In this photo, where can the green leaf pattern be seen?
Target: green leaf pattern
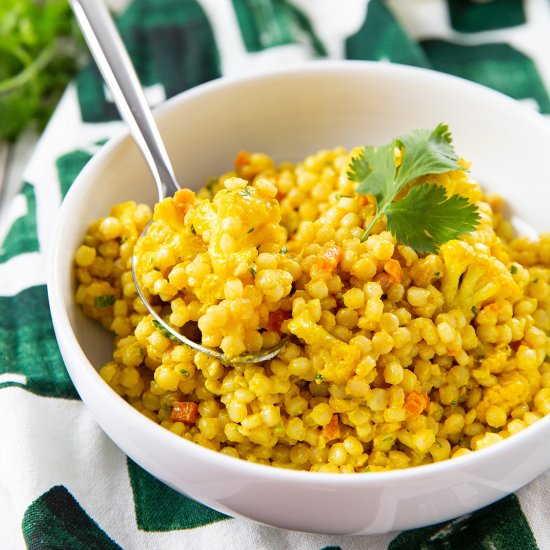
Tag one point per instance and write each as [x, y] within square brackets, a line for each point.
[56, 520]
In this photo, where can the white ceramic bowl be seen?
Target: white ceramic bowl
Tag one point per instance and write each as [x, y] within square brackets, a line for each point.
[289, 114]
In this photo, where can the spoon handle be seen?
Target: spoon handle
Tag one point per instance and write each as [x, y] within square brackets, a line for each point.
[115, 65]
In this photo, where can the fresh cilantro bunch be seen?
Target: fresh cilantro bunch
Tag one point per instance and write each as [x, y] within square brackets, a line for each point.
[39, 50]
[425, 217]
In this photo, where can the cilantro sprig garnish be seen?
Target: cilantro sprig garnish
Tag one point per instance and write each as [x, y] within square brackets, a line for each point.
[40, 48]
[425, 217]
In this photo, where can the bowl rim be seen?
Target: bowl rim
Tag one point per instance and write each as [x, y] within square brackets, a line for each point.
[77, 357]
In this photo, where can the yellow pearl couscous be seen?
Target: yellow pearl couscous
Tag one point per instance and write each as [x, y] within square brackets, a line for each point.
[395, 359]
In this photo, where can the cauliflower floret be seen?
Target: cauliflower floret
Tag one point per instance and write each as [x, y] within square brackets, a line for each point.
[473, 278]
[244, 218]
[339, 359]
[457, 182]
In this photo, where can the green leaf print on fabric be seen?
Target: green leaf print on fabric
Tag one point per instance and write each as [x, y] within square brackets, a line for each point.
[28, 348]
[69, 166]
[468, 16]
[306, 26]
[159, 508]
[268, 23]
[22, 237]
[500, 526]
[498, 66]
[55, 520]
[381, 38]
[170, 42]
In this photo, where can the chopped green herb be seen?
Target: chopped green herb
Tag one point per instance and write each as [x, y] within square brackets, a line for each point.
[104, 301]
[367, 469]
[284, 250]
[184, 372]
[513, 269]
[156, 268]
[211, 183]
[319, 377]
[193, 230]
[252, 270]
[164, 332]
[244, 191]
[437, 443]
[461, 442]
[388, 438]
[250, 230]
[453, 402]
[338, 196]
[278, 429]
[535, 281]
[437, 274]
[474, 310]
[426, 217]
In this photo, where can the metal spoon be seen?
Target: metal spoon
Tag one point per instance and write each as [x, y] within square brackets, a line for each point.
[119, 74]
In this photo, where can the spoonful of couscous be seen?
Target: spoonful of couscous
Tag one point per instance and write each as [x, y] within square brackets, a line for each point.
[190, 262]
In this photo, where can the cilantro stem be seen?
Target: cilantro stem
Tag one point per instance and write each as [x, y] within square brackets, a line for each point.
[365, 235]
[380, 211]
[28, 72]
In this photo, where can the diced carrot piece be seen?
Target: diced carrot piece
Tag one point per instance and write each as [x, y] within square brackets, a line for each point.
[496, 203]
[331, 430]
[415, 403]
[516, 344]
[393, 269]
[363, 200]
[329, 257]
[276, 319]
[184, 411]
[242, 159]
[384, 279]
[183, 199]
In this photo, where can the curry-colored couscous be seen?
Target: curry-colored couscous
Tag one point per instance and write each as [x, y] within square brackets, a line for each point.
[394, 359]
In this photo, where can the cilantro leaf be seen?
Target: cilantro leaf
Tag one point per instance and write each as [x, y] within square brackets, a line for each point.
[426, 218]
[359, 168]
[375, 171]
[426, 152]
